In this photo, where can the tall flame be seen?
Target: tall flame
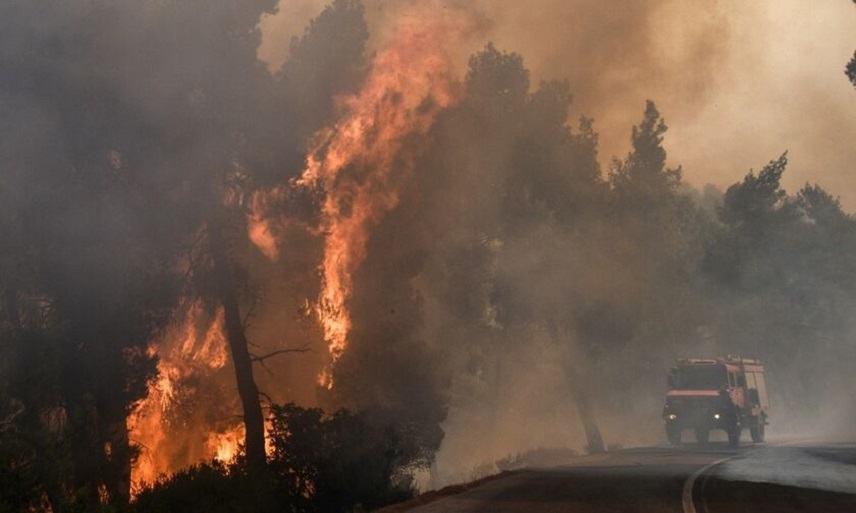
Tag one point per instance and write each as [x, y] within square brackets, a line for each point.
[361, 162]
[191, 350]
[359, 166]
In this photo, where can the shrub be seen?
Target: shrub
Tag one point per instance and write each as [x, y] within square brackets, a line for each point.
[340, 463]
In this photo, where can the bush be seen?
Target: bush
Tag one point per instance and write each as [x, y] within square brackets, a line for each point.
[341, 463]
[345, 460]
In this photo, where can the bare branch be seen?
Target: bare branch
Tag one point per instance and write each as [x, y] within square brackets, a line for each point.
[251, 309]
[264, 366]
[267, 398]
[261, 359]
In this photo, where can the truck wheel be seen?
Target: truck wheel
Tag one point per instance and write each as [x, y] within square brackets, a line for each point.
[757, 430]
[702, 435]
[674, 435]
[734, 435]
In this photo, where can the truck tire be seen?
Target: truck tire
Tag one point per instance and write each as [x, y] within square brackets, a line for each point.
[757, 430]
[734, 432]
[674, 435]
[702, 435]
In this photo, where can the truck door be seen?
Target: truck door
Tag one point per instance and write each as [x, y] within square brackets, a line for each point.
[736, 390]
[762, 391]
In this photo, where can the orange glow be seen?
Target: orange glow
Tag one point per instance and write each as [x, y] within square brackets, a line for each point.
[408, 84]
[260, 228]
[225, 446]
[358, 165]
[194, 348]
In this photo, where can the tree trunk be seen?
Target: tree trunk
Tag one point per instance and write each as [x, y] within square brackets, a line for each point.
[254, 442]
[117, 477]
[585, 409]
[587, 416]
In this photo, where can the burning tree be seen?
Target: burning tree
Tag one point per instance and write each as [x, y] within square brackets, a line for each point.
[103, 205]
[219, 263]
[440, 241]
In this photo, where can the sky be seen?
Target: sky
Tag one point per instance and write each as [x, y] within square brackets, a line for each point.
[738, 82]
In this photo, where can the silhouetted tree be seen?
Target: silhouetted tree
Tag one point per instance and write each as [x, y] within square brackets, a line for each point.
[642, 179]
[753, 211]
[850, 70]
[783, 281]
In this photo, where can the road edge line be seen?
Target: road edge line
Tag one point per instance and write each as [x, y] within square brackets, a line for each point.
[689, 484]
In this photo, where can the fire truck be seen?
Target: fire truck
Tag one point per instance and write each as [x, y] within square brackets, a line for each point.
[718, 393]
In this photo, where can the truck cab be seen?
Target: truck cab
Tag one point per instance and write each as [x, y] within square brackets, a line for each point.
[717, 393]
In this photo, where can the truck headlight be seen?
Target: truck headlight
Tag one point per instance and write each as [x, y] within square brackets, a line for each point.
[716, 416]
[672, 416]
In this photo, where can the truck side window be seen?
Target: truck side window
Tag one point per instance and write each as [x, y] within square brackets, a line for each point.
[750, 380]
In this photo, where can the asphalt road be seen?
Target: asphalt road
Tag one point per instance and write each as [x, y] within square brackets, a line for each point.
[767, 478]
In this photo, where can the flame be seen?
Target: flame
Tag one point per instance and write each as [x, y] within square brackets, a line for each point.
[361, 162]
[225, 446]
[359, 166]
[185, 353]
[408, 85]
[261, 229]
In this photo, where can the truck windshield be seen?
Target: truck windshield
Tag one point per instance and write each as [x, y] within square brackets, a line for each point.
[698, 377]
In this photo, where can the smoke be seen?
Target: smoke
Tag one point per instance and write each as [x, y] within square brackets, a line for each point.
[468, 311]
[482, 269]
[614, 57]
[754, 78]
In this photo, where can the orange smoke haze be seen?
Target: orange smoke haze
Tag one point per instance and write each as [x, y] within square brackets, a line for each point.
[691, 57]
[738, 82]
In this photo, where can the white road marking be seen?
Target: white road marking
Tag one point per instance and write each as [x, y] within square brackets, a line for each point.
[687, 495]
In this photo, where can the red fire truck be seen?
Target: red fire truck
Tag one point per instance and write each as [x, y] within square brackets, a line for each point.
[717, 393]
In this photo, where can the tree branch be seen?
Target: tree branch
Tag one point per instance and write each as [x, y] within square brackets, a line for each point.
[303, 349]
